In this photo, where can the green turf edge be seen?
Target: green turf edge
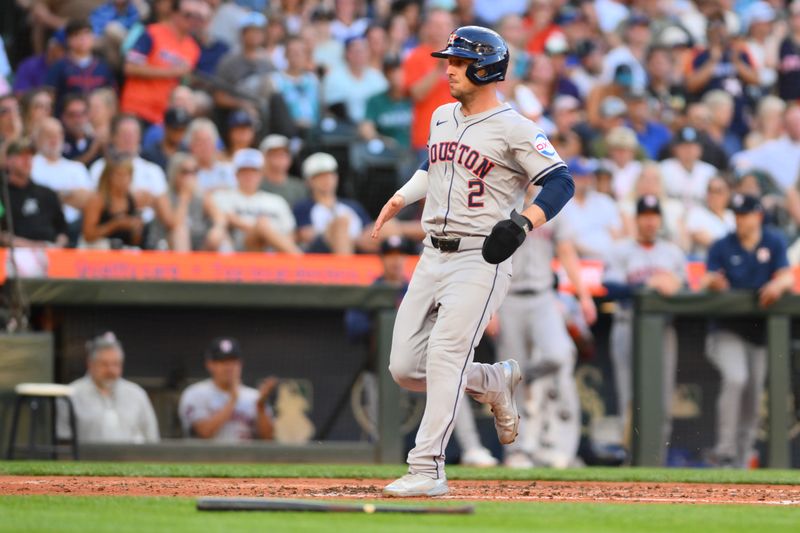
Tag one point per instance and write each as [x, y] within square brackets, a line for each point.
[122, 514]
[662, 475]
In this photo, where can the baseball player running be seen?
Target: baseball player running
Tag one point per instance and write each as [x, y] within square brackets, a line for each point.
[533, 326]
[481, 157]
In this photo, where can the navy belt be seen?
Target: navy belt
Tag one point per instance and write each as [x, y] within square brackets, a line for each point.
[445, 245]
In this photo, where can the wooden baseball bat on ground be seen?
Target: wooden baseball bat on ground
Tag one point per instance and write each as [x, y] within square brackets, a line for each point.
[266, 504]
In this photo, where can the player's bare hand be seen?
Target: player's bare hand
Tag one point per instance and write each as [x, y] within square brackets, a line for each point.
[266, 387]
[717, 282]
[588, 308]
[769, 294]
[389, 210]
[665, 283]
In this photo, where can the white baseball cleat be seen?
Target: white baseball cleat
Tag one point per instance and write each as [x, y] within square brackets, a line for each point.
[412, 485]
[480, 457]
[504, 407]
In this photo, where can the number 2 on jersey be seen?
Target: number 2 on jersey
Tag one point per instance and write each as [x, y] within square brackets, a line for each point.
[476, 190]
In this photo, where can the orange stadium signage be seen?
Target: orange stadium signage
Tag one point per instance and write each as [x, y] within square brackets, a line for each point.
[210, 267]
[215, 267]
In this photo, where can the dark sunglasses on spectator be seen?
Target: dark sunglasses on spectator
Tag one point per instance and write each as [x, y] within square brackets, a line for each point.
[9, 109]
[716, 189]
[188, 170]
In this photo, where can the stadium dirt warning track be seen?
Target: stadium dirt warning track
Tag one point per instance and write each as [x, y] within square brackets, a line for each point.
[541, 491]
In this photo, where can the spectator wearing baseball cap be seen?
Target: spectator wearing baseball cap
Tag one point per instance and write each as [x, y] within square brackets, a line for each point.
[277, 162]
[325, 223]
[221, 407]
[241, 131]
[686, 176]
[35, 210]
[176, 121]
[622, 146]
[593, 217]
[754, 258]
[256, 220]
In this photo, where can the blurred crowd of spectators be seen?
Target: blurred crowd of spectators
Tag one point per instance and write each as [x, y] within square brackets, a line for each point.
[182, 124]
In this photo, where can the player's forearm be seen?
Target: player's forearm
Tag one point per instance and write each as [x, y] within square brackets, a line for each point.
[784, 279]
[148, 71]
[210, 426]
[264, 426]
[568, 257]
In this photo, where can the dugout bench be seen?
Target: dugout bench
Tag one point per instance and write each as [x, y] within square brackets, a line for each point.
[651, 311]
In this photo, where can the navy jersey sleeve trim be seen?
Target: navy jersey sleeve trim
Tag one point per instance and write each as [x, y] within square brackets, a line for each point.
[544, 172]
[557, 189]
[424, 166]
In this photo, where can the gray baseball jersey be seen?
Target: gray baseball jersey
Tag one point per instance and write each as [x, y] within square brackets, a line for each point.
[633, 263]
[479, 166]
[478, 169]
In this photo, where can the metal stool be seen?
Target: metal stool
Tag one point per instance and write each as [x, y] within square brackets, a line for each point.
[32, 394]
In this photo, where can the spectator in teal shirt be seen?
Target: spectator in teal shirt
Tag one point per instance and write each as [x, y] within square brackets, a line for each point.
[388, 113]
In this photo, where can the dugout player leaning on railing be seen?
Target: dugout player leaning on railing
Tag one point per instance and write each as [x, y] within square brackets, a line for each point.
[753, 257]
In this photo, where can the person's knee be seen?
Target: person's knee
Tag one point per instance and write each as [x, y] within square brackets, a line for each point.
[403, 373]
[733, 378]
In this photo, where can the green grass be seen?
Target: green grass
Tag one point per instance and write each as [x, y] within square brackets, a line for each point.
[31, 514]
[663, 475]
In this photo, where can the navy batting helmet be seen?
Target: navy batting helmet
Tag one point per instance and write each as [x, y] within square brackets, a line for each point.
[485, 46]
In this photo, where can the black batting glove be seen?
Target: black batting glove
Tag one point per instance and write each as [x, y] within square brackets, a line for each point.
[505, 238]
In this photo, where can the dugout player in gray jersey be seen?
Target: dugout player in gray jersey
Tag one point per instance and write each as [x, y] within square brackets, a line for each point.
[481, 157]
[532, 326]
[644, 262]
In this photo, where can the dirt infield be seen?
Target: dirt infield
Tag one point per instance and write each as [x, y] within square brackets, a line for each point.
[561, 491]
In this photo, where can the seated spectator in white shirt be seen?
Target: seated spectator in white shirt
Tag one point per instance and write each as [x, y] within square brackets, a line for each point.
[354, 83]
[705, 224]
[592, 216]
[257, 220]
[685, 175]
[625, 169]
[325, 223]
[108, 408]
[222, 407]
[149, 184]
[203, 141]
[69, 179]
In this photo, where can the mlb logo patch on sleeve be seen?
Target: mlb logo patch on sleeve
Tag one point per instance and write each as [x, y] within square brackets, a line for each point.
[543, 146]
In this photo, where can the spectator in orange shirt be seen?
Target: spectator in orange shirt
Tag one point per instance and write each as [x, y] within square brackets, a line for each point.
[425, 76]
[162, 55]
